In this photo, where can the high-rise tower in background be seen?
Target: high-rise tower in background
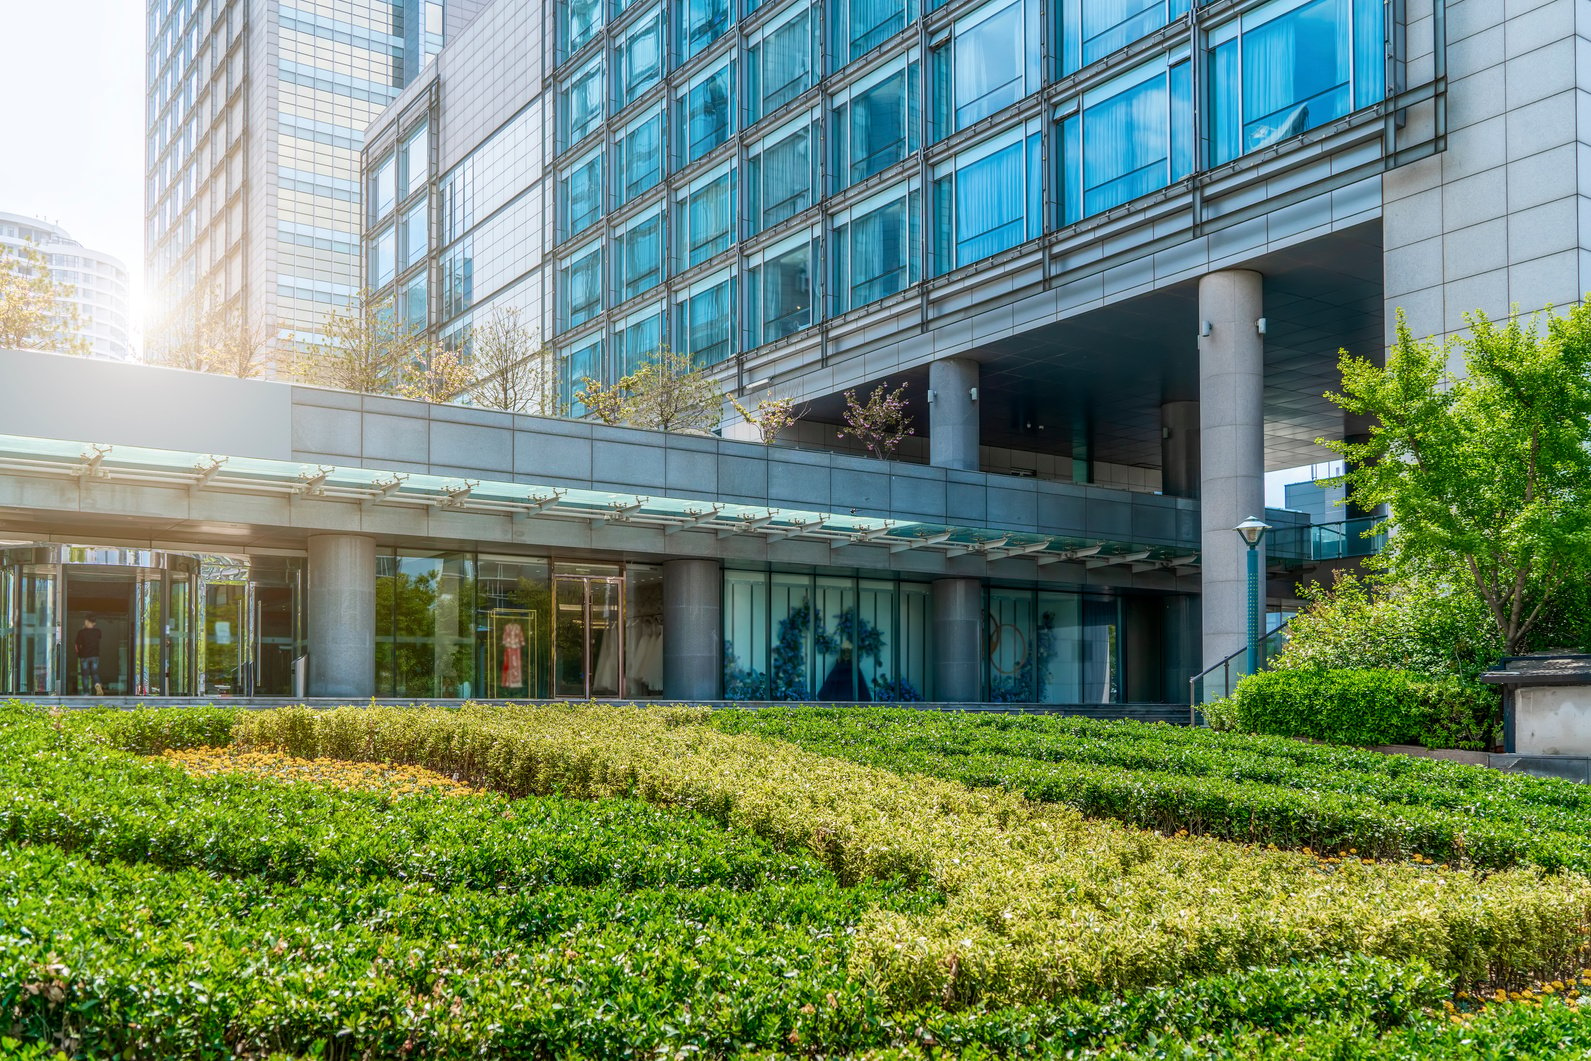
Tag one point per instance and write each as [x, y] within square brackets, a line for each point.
[256, 115]
[98, 282]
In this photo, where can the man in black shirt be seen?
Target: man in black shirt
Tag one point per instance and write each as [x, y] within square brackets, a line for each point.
[87, 644]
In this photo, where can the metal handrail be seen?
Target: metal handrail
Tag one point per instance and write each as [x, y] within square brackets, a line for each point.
[1217, 682]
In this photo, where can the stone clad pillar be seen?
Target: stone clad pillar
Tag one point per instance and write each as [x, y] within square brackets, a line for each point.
[958, 640]
[1179, 449]
[693, 630]
[340, 615]
[953, 429]
[1232, 450]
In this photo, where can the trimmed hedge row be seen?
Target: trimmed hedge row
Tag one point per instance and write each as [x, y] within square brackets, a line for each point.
[1361, 706]
[1256, 789]
[1040, 902]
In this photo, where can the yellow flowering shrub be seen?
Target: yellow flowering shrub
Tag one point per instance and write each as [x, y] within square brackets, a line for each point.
[335, 773]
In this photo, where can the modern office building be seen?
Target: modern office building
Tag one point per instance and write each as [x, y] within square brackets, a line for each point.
[256, 115]
[1113, 250]
[98, 283]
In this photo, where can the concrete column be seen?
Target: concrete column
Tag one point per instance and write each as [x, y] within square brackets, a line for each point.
[693, 629]
[1232, 450]
[953, 417]
[958, 640]
[340, 614]
[1179, 449]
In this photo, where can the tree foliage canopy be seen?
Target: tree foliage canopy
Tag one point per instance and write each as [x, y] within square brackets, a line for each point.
[1486, 475]
[667, 393]
[34, 311]
[512, 368]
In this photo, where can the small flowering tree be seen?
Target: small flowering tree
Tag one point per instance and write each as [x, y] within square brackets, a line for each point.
[881, 422]
[771, 416]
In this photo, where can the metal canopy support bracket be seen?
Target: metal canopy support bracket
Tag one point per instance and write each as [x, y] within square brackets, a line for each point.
[623, 510]
[1070, 554]
[862, 537]
[983, 547]
[537, 504]
[1122, 558]
[207, 471]
[748, 524]
[796, 530]
[1021, 550]
[921, 541]
[456, 496]
[696, 518]
[313, 483]
[92, 458]
[385, 488]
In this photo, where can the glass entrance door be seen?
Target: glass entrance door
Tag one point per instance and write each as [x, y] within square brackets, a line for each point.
[38, 630]
[588, 637]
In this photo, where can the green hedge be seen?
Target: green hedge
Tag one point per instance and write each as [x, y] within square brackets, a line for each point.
[1258, 789]
[1346, 705]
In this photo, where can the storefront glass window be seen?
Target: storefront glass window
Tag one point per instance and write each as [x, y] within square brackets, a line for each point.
[745, 636]
[513, 628]
[643, 631]
[425, 625]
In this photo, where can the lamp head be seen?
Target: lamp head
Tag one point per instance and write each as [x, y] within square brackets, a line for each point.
[1252, 530]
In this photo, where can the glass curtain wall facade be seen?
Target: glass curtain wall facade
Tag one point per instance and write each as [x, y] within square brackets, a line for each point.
[256, 120]
[943, 134]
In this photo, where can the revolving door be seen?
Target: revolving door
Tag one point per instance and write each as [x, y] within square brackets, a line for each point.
[77, 620]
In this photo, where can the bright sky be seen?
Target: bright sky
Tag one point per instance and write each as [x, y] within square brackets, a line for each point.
[72, 136]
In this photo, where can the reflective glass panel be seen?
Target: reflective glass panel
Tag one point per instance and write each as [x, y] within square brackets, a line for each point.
[781, 65]
[708, 224]
[582, 191]
[640, 254]
[639, 158]
[640, 59]
[782, 292]
[582, 102]
[706, 118]
[780, 173]
[700, 23]
[582, 286]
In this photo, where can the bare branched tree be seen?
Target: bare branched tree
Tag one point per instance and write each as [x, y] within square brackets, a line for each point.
[513, 369]
[368, 348]
[216, 338]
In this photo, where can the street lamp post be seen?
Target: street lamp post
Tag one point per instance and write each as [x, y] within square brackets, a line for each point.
[1252, 531]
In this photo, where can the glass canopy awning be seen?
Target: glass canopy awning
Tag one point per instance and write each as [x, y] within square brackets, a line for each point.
[370, 488]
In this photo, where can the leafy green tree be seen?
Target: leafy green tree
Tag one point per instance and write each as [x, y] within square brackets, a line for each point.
[1486, 475]
[667, 393]
[35, 311]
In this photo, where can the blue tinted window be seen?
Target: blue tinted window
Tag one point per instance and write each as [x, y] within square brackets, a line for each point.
[416, 231]
[581, 20]
[987, 200]
[383, 257]
[780, 174]
[706, 118]
[638, 163]
[1132, 136]
[700, 23]
[781, 64]
[1287, 67]
[862, 25]
[582, 191]
[781, 292]
[639, 59]
[580, 364]
[582, 102]
[639, 340]
[876, 127]
[581, 283]
[705, 322]
[875, 251]
[707, 226]
[988, 63]
[640, 256]
[1092, 29]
